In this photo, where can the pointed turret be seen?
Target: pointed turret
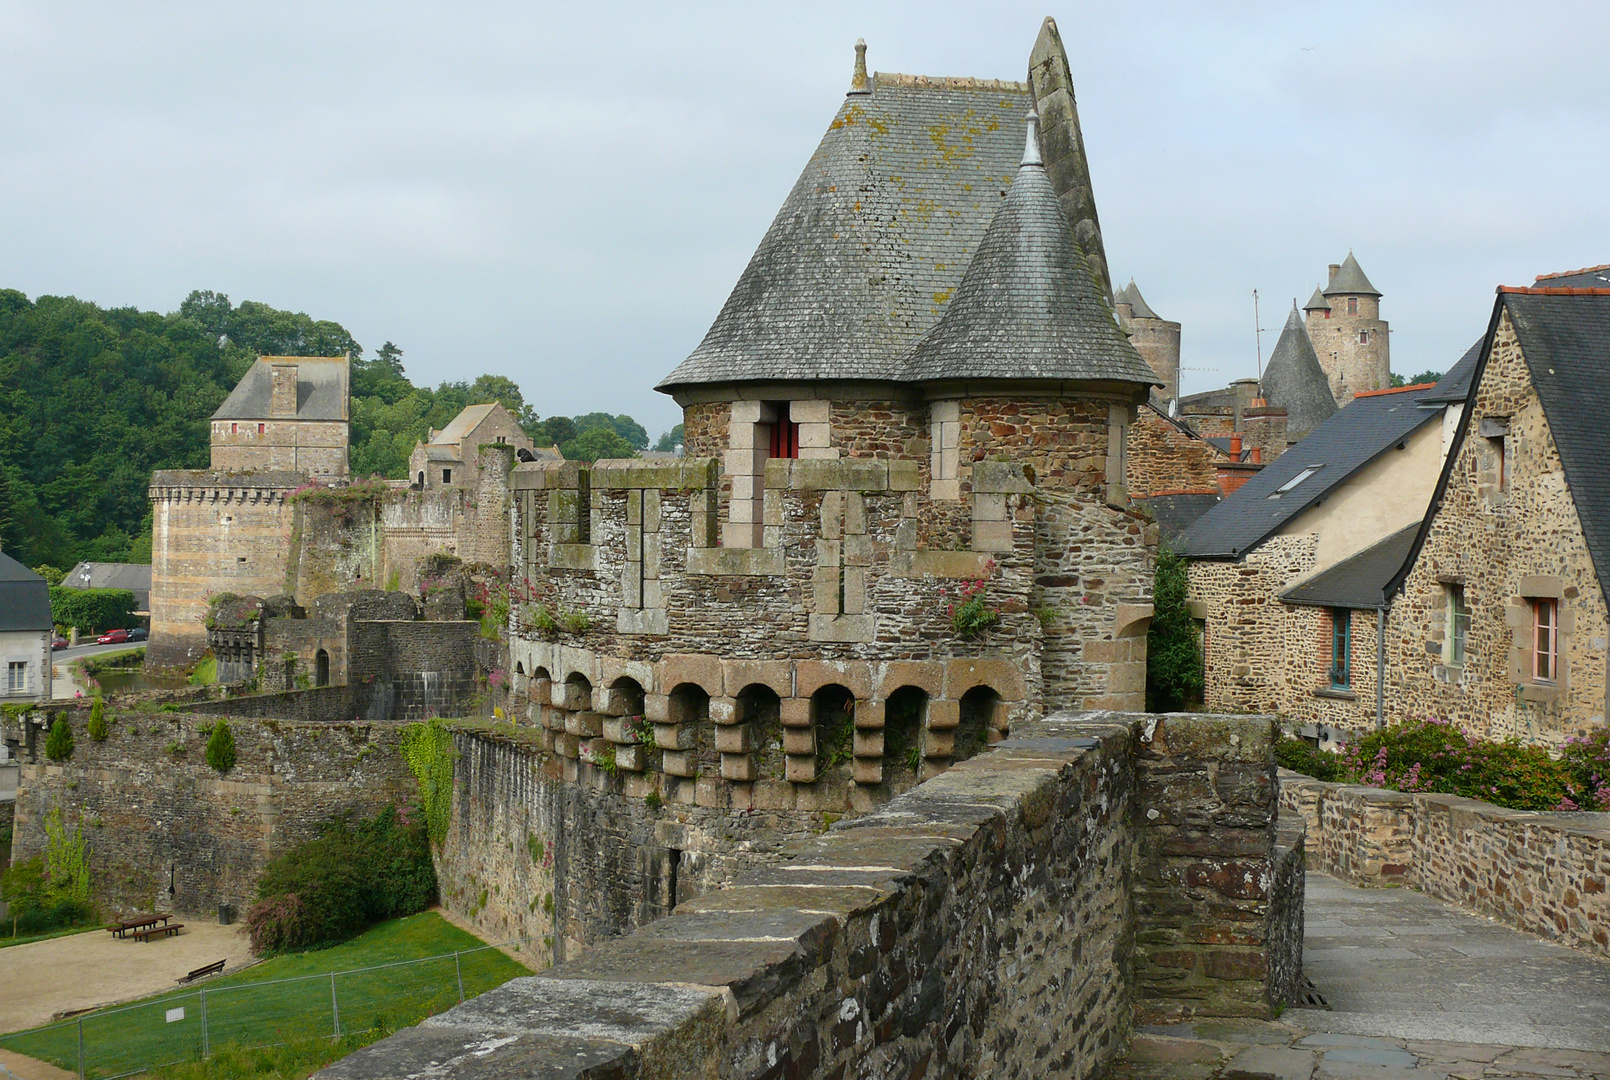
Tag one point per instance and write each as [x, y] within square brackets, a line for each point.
[1138, 306]
[1294, 380]
[1028, 306]
[1051, 82]
[1349, 280]
[1317, 302]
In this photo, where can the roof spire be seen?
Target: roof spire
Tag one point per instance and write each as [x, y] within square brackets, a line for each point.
[1031, 144]
[858, 81]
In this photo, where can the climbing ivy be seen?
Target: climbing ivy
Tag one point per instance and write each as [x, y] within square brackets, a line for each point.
[427, 747]
[65, 860]
[1173, 651]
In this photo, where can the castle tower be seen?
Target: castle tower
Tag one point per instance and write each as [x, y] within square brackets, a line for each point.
[1348, 333]
[1296, 381]
[1154, 337]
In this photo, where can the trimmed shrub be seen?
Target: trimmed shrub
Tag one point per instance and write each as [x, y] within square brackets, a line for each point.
[93, 609]
[98, 729]
[354, 872]
[221, 747]
[1297, 755]
[59, 744]
[1436, 756]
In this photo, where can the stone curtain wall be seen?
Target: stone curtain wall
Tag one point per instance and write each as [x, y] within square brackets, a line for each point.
[569, 865]
[154, 812]
[1164, 460]
[1545, 873]
[982, 924]
[1503, 545]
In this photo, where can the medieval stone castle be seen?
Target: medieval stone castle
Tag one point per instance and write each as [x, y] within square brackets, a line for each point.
[725, 716]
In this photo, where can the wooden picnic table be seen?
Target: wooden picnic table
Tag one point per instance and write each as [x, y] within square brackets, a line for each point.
[121, 928]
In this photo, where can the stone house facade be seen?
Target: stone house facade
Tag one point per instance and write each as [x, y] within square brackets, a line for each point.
[1501, 624]
[26, 633]
[449, 458]
[1276, 568]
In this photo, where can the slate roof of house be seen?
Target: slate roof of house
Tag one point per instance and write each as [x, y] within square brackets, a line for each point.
[321, 389]
[1350, 281]
[1589, 277]
[24, 597]
[135, 577]
[448, 453]
[1358, 434]
[1455, 385]
[1566, 342]
[872, 241]
[1317, 302]
[1028, 306]
[1358, 581]
[1175, 512]
[468, 419]
[1294, 381]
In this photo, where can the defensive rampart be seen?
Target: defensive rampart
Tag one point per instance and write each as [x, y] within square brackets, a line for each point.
[164, 827]
[1013, 916]
[1545, 873]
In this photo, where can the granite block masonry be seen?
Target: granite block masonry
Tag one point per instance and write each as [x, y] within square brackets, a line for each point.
[986, 922]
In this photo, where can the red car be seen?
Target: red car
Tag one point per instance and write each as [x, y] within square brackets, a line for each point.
[113, 637]
[59, 643]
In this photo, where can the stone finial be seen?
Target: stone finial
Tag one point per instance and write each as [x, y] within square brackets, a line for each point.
[858, 82]
[1031, 142]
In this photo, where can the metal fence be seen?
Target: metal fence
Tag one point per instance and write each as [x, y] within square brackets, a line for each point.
[191, 1024]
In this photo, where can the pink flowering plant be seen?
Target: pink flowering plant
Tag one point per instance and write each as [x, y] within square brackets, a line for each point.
[970, 613]
[1435, 755]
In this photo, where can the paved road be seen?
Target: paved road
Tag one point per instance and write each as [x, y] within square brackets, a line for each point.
[1418, 990]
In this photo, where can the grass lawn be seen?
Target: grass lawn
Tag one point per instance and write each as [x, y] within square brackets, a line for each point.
[283, 1000]
[28, 939]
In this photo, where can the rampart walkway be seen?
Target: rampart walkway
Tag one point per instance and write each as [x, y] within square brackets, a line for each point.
[1418, 990]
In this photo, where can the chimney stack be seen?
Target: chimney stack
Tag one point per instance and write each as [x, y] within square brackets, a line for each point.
[1335, 268]
[1235, 446]
[283, 401]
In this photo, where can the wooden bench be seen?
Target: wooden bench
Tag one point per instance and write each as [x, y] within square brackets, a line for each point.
[202, 972]
[158, 931]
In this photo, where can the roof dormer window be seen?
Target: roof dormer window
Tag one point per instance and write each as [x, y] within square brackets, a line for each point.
[1295, 480]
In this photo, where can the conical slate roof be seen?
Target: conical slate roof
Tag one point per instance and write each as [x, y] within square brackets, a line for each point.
[1317, 302]
[1350, 281]
[1294, 381]
[1028, 306]
[1138, 307]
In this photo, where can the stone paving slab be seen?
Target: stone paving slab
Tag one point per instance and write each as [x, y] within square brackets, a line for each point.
[1419, 991]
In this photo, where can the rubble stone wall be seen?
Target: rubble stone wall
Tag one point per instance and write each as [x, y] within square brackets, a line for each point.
[1545, 873]
[983, 923]
[1507, 532]
[1166, 459]
[155, 813]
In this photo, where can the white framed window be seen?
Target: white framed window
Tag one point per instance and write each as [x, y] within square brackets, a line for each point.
[1458, 630]
[17, 677]
[1545, 639]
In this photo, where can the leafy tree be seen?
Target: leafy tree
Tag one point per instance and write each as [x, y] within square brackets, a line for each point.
[92, 609]
[59, 743]
[1173, 654]
[670, 440]
[628, 429]
[51, 575]
[596, 443]
[221, 747]
[556, 431]
[1425, 377]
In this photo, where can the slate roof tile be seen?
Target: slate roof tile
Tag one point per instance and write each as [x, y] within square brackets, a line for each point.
[24, 597]
[321, 389]
[1350, 281]
[1294, 381]
[1358, 581]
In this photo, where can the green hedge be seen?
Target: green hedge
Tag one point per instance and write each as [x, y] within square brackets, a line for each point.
[1436, 756]
[93, 609]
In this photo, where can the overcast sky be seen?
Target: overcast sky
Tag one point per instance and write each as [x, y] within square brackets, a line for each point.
[565, 194]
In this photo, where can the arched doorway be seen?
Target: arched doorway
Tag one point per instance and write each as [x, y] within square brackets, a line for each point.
[321, 668]
[760, 710]
[833, 720]
[905, 715]
[978, 710]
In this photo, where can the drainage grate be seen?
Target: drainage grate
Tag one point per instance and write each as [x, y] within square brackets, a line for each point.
[1309, 997]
